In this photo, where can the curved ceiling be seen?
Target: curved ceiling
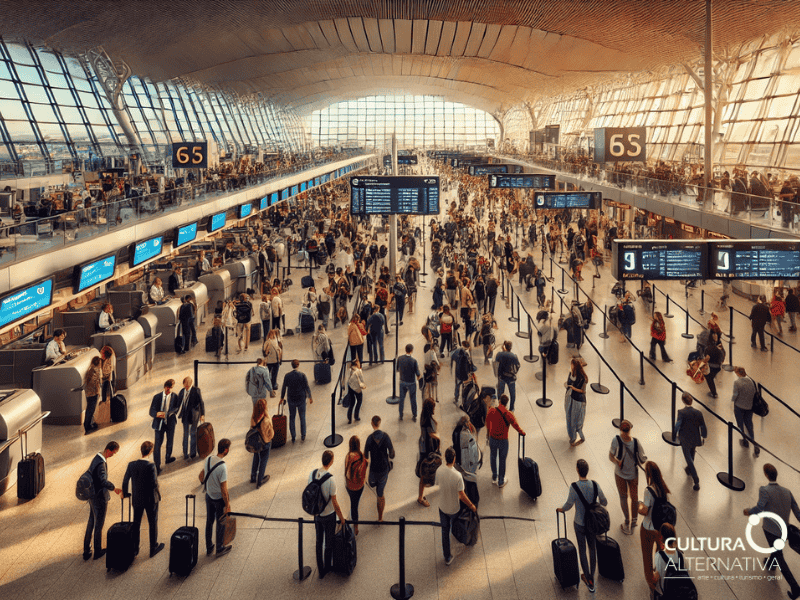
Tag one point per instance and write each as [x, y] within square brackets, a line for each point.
[307, 54]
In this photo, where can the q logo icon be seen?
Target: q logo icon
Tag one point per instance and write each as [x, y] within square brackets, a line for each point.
[723, 261]
[779, 544]
[40, 291]
[540, 200]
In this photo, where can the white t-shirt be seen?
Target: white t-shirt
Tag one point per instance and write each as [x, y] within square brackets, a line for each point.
[660, 567]
[328, 490]
[450, 484]
[648, 501]
[217, 477]
[277, 306]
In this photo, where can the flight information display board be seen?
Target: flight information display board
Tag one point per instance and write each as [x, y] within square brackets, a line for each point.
[394, 195]
[533, 181]
[245, 210]
[295, 190]
[591, 200]
[144, 251]
[185, 234]
[217, 222]
[659, 259]
[478, 170]
[284, 193]
[26, 301]
[92, 273]
[303, 186]
[268, 201]
[407, 159]
[754, 259]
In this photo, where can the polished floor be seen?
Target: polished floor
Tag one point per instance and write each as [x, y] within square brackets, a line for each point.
[41, 540]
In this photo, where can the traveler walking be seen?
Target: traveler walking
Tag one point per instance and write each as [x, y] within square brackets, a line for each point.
[408, 367]
[428, 442]
[164, 410]
[690, 427]
[451, 488]
[355, 474]
[260, 421]
[325, 522]
[744, 390]
[507, 369]
[375, 326]
[658, 335]
[295, 388]
[257, 381]
[759, 317]
[498, 421]
[380, 452]
[653, 510]
[355, 387]
[98, 504]
[214, 478]
[575, 401]
[627, 455]
[145, 497]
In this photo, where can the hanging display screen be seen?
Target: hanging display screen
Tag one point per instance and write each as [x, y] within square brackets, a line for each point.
[217, 222]
[26, 301]
[185, 234]
[144, 251]
[534, 181]
[590, 200]
[755, 259]
[92, 273]
[659, 259]
[394, 195]
[245, 210]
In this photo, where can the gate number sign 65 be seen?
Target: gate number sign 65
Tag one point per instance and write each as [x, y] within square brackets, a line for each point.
[617, 145]
[183, 157]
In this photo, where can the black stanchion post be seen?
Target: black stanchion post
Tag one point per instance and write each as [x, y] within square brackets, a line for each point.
[727, 479]
[563, 289]
[604, 335]
[502, 284]
[422, 272]
[551, 269]
[729, 367]
[520, 333]
[552, 299]
[512, 318]
[702, 302]
[544, 401]
[302, 572]
[641, 367]
[395, 398]
[196, 369]
[334, 439]
[771, 343]
[598, 387]
[730, 335]
[616, 422]
[655, 295]
[667, 314]
[402, 590]
[667, 435]
[686, 335]
[531, 357]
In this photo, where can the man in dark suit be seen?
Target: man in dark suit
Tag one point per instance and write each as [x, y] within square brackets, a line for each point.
[99, 503]
[186, 317]
[164, 410]
[146, 496]
[192, 412]
[690, 427]
[175, 281]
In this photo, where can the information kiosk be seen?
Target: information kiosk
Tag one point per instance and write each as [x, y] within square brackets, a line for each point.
[60, 387]
[243, 274]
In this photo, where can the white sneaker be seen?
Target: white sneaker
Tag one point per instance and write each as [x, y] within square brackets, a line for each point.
[494, 480]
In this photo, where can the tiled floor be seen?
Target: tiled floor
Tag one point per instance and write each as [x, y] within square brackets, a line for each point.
[42, 539]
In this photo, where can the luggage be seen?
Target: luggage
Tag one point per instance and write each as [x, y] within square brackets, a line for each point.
[184, 543]
[322, 373]
[596, 519]
[213, 343]
[489, 390]
[30, 472]
[279, 428]
[609, 558]
[307, 281]
[678, 584]
[255, 332]
[429, 466]
[565, 557]
[306, 323]
[205, 439]
[119, 408]
[121, 541]
[466, 526]
[529, 481]
[226, 529]
[344, 550]
[552, 353]
[179, 344]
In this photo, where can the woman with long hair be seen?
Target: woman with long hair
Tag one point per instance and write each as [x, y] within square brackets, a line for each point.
[446, 324]
[650, 536]
[428, 442]
[261, 421]
[277, 309]
[273, 354]
[355, 474]
[355, 387]
[658, 335]
[355, 338]
[92, 387]
[575, 401]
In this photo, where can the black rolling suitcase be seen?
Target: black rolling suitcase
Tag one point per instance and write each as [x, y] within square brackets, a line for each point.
[306, 323]
[119, 408]
[255, 332]
[322, 372]
[121, 542]
[565, 557]
[30, 471]
[184, 543]
[344, 550]
[529, 480]
[609, 558]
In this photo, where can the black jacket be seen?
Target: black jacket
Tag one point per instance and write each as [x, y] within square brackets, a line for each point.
[194, 408]
[173, 283]
[145, 483]
[172, 410]
[690, 427]
[100, 478]
[186, 313]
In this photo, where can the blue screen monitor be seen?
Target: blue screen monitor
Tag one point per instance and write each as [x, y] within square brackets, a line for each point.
[263, 203]
[316, 181]
[245, 210]
[92, 273]
[25, 301]
[144, 251]
[295, 191]
[284, 193]
[325, 178]
[273, 198]
[185, 234]
[217, 222]
[303, 186]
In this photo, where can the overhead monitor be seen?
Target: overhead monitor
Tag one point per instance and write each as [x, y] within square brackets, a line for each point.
[144, 251]
[245, 210]
[754, 259]
[185, 234]
[294, 191]
[394, 195]
[325, 178]
[659, 259]
[406, 159]
[217, 222]
[92, 273]
[533, 181]
[316, 181]
[558, 200]
[478, 170]
[285, 194]
[303, 186]
[25, 301]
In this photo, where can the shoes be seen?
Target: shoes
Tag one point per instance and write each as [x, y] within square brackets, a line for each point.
[252, 480]
[193, 456]
[357, 419]
[756, 451]
[95, 426]
[349, 421]
[626, 529]
[753, 346]
[633, 524]
[589, 583]
[171, 459]
[224, 550]
[401, 417]
[157, 549]
[449, 561]
[764, 350]
[424, 502]
[502, 485]
[414, 418]
[711, 395]
[209, 551]
[87, 555]
[158, 470]
[744, 443]
[651, 357]
[302, 438]
[686, 469]
[99, 554]
[185, 457]
[577, 442]
[262, 482]
[494, 480]
[696, 486]
[293, 440]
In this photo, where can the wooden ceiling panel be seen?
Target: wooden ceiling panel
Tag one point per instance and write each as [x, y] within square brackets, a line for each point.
[418, 36]
[475, 39]
[386, 27]
[359, 35]
[434, 34]
[402, 36]
[373, 35]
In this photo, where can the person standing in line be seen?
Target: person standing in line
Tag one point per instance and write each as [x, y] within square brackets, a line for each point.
[759, 317]
[98, 505]
[92, 387]
[744, 390]
[464, 367]
[431, 367]
[649, 535]
[576, 401]
[451, 488]
[375, 326]
[146, 496]
[380, 452]
[792, 308]
[164, 410]
[244, 315]
[355, 387]
[191, 414]
[355, 473]
[627, 455]
[355, 338]
[214, 478]
[258, 383]
[108, 365]
[428, 442]
[498, 421]
[408, 367]
[265, 314]
[186, 317]
[400, 292]
[325, 522]
[658, 335]
[777, 308]
[714, 358]
[690, 427]
[295, 387]
[277, 309]
[446, 324]
[587, 489]
[273, 354]
[261, 421]
[779, 500]
[627, 316]
[507, 369]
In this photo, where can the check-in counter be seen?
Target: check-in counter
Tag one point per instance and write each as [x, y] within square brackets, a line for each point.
[80, 325]
[127, 340]
[20, 411]
[244, 274]
[17, 362]
[167, 315]
[199, 292]
[127, 301]
[149, 323]
[60, 387]
[219, 286]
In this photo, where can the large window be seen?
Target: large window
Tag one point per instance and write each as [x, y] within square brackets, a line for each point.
[419, 121]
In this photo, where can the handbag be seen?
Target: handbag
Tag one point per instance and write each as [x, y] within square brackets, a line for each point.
[253, 441]
[347, 400]
[226, 529]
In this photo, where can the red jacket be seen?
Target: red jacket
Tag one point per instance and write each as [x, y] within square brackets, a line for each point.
[496, 422]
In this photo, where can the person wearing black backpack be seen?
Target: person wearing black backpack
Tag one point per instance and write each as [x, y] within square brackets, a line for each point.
[656, 510]
[325, 511]
[673, 581]
[579, 494]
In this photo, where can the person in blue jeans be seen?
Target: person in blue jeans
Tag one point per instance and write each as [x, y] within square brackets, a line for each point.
[375, 325]
[408, 367]
[498, 421]
[507, 368]
[451, 486]
[261, 421]
[295, 388]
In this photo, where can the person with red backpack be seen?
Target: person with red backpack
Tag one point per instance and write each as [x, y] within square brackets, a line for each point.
[355, 475]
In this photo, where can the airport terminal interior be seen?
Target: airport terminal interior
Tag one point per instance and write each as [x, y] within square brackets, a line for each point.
[586, 212]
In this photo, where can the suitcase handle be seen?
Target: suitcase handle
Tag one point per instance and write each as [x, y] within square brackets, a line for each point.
[280, 409]
[23, 435]
[558, 523]
[194, 508]
[521, 446]
[122, 507]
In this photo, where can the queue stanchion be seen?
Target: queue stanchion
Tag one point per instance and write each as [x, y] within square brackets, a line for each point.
[599, 388]
[729, 366]
[531, 357]
[502, 284]
[334, 439]
[544, 401]
[727, 479]
[686, 335]
[512, 318]
[641, 367]
[702, 302]
[668, 314]
[552, 299]
[551, 269]
[395, 398]
[303, 572]
[616, 422]
[563, 289]
[402, 590]
[667, 435]
[655, 295]
[522, 334]
[730, 335]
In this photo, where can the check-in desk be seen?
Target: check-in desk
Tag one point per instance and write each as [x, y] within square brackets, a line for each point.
[128, 342]
[60, 387]
[80, 325]
[219, 286]
[127, 301]
[167, 315]
[17, 362]
[149, 324]
[199, 292]
[20, 410]
[243, 274]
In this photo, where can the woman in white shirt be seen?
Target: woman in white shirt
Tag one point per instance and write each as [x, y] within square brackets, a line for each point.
[277, 308]
[355, 387]
[157, 291]
[650, 536]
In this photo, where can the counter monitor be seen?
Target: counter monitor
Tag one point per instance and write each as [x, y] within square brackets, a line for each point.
[217, 222]
[92, 273]
[144, 251]
[25, 301]
[185, 234]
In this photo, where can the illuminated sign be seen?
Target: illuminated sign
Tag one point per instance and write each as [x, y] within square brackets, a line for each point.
[24, 302]
[394, 195]
[659, 259]
[217, 222]
[95, 272]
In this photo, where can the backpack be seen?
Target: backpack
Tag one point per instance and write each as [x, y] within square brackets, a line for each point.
[621, 449]
[760, 406]
[253, 442]
[595, 516]
[251, 382]
[84, 488]
[678, 584]
[470, 452]
[357, 473]
[314, 501]
[463, 365]
[662, 511]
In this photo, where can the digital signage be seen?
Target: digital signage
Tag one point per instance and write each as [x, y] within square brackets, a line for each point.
[659, 259]
[295, 190]
[558, 200]
[754, 259]
[92, 273]
[185, 234]
[25, 301]
[407, 159]
[217, 222]
[144, 251]
[478, 170]
[316, 181]
[285, 194]
[245, 210]
[303, 186]
[534, 181]
[394, 195]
